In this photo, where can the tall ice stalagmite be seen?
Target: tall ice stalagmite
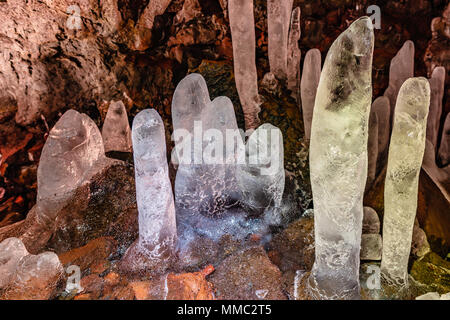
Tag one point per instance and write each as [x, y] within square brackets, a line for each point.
[242, 25]
[294, 54]
[338, 162]
[278, 20]
[401, 68]
[402, 178]
[157, 225]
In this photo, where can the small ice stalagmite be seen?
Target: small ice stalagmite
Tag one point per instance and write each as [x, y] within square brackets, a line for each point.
[444, 147]
[406, 152]
[372, 149]
[308, 87]
[338, 162]
[437, 83]
[116, 131]
[382, 109]
[262, 178]
[278, 18]
[11, 251]
[401, 68]
[72, 148]
[157, 225]
[294, 53]
[242, 25]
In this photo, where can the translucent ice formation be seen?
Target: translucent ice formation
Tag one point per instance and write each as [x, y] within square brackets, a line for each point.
[116, 131]
[338, 162]
[73, 146]
[157, 225]
[402, 68]
[278, 20]
[382, 109]
[400, 191]
[437, 83]
[372, 149]
[444, 147]
[262, 178]
[11, 251]
[242, 27]
[308, 87]
[294, 53]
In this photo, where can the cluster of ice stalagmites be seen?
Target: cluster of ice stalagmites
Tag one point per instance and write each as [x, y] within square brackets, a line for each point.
[217, 180]
[242, 27]
[338, 161]
[205, 181]
[400, 193]
[157, 225]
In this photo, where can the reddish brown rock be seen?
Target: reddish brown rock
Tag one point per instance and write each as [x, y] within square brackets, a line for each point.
[248, 274]
[189, 286]
[293, 248]
[92, 255]
[141, 289]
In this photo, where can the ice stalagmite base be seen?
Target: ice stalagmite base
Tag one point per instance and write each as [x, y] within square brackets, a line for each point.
[338, 162]
[242, 25]
[400, 191]
[157, 225]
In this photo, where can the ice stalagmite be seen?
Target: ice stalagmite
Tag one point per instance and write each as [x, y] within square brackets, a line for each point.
[157, 225]
[400, 191]
[116, 131]
[73, 146]
[338, 162]
[242, 25]
[205, 185]
[262, 178]
[372, 149]
[294, 53]
[401, 68]
[278, 18]
[437, 83]
[382, 110]
[308, 87]
[444, 147]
